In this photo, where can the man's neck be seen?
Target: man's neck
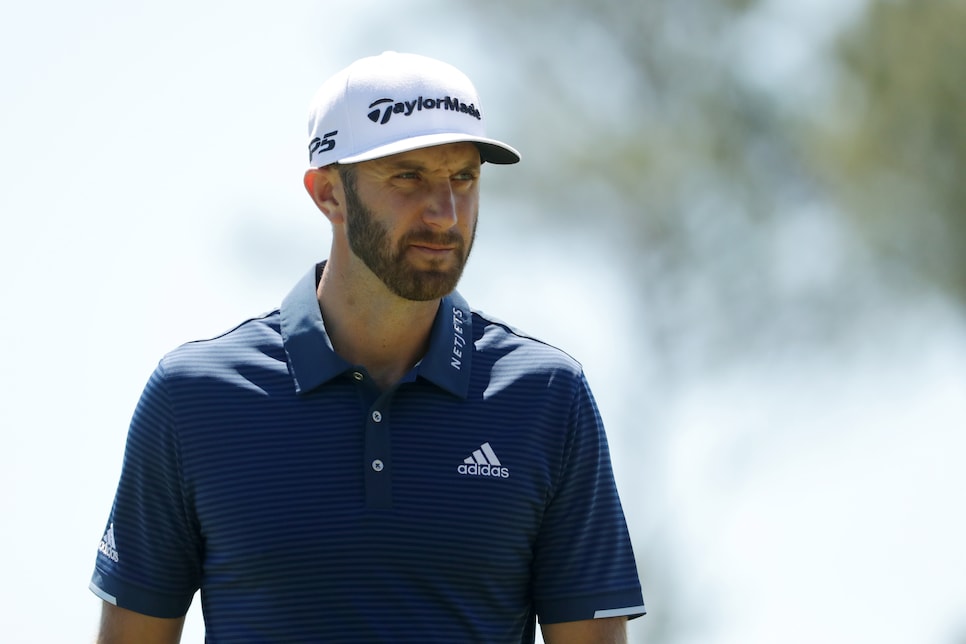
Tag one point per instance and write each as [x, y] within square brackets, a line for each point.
[374, 328]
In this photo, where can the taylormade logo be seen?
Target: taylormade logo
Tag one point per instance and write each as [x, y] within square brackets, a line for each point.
[384, 108]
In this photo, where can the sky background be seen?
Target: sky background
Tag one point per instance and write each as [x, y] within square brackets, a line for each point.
[152, 156]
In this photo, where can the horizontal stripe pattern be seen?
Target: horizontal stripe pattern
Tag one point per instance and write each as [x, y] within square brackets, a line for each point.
[263, 497]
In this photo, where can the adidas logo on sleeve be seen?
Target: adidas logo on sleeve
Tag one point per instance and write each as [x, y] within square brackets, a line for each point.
[108, 547]
[483, 462]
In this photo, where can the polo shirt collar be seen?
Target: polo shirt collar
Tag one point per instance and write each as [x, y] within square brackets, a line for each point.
[311, 358]
[448, 360]
[313, 362]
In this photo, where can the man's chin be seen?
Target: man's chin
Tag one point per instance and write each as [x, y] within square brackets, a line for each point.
[422, 286]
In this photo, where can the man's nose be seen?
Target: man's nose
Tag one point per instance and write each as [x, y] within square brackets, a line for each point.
[440, 211]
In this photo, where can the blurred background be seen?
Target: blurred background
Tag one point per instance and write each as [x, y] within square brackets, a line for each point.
[744, 217]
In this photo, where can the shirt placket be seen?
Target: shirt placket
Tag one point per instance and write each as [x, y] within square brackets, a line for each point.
[377, 453]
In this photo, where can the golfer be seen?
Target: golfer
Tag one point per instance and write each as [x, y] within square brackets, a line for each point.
[374, 460]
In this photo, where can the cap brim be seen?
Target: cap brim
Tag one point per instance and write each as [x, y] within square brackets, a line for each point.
[491, 150]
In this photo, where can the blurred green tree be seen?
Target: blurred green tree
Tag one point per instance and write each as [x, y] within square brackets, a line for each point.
[643, 132]
[894, 145]
[652, 130]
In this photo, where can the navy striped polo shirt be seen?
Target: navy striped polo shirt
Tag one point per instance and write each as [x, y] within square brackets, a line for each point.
[308, 505]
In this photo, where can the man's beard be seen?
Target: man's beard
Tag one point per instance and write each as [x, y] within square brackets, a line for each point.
[369, 240]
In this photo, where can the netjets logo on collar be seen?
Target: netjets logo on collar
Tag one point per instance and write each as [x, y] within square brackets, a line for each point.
[384, 108]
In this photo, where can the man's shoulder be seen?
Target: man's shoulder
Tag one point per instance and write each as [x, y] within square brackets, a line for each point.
[496, 335]
[256, 336]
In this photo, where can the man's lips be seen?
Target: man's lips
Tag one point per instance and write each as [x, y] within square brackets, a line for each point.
[434, 249]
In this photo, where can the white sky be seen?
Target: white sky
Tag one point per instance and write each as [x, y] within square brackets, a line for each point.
[151, 156]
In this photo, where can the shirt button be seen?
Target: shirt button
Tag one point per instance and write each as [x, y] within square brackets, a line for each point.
[377, 416]
[358, 376]
[377, 465]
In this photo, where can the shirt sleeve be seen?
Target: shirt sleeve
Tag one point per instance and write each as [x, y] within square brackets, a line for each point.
[584, 566]
[149, 560]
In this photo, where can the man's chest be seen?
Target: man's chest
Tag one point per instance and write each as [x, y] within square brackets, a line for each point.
[398, 483]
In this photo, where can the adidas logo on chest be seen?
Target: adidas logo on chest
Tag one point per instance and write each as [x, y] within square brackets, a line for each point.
[483, 462]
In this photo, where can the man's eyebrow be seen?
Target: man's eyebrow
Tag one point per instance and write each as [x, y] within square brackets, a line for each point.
[408, 164]
[405, 164]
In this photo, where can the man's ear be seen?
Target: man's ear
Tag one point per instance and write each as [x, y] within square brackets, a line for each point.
[324, 185]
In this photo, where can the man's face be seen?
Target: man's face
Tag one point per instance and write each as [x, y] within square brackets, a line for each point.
[411, 217]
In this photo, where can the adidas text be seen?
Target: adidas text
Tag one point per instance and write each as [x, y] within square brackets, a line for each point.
[382, 115]
[108, 551]
[484, 470]
[483, 462]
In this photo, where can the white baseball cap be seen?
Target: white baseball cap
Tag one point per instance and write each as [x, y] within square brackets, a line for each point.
[394, 103]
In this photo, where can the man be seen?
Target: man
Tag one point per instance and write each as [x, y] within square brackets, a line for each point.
[373, 461]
